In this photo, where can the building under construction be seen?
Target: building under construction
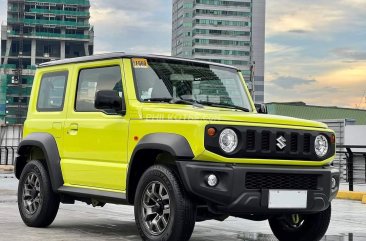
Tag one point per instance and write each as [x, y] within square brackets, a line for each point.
[38, 31]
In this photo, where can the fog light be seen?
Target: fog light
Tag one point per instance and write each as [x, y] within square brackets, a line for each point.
[212, 180]
[334, 183]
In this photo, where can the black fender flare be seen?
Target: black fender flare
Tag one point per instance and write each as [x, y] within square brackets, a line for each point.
[176, 145]
[47, 143]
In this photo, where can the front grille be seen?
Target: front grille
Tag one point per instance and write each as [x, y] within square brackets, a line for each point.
[281, 181]
[270, 143]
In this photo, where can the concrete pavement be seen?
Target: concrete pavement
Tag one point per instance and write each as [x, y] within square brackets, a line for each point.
[6, 168]
[82, 222]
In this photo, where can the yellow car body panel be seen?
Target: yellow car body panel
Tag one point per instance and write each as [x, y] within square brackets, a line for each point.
[47, 122]
[96, 155]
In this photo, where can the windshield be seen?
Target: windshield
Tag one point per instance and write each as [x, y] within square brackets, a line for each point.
[159, 79]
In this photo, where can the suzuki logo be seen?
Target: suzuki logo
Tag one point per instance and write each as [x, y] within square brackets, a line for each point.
[281, 142]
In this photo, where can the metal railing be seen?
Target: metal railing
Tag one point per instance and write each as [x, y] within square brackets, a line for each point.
[355, 161]
[10, 137]
[48, 22]
[69, 2]
[52, 35]
[8, 66]
[60, 12]
[8, 155]
[355, 164]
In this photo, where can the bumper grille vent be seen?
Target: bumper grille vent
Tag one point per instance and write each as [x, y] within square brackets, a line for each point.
[281, 181]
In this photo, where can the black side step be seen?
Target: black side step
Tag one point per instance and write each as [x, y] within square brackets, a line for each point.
[102, 196]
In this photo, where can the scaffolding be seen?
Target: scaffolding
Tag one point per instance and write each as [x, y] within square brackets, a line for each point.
[38, 31]
[3, 87]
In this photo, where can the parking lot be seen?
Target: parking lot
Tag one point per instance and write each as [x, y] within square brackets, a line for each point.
[82, 222]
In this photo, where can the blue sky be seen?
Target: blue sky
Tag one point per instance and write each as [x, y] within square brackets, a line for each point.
[315, 50]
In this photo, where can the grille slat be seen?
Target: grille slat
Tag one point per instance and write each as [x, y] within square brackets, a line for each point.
[306, 142]
[293, 144]
[266, 141]
[281, 181]
[251, 140]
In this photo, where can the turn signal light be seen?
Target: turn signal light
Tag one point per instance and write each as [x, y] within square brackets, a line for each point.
[211, 131]
[332, 139]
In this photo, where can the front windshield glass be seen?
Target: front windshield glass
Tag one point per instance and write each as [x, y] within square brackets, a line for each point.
[159, 79]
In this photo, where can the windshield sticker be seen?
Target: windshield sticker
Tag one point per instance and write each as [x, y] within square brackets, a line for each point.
[140, 63]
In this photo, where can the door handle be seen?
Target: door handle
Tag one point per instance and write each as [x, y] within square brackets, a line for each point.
[73, 129]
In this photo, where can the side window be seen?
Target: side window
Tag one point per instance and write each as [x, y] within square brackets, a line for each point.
[93, 80]
[51, 93]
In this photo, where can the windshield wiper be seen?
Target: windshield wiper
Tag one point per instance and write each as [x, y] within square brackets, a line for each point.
[214, 104]
[175, 101]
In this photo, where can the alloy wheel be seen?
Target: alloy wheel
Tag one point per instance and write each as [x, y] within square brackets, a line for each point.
[32, 198]
[155, 208]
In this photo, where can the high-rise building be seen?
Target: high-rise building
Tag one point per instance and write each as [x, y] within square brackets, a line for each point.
[38, 31]
[223, 31]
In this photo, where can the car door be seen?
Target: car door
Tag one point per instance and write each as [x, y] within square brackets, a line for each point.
[95, 151]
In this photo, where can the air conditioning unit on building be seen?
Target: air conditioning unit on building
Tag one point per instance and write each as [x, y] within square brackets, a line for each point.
[14, 80]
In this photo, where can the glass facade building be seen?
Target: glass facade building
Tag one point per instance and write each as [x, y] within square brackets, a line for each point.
[38, 31]
[228, 32]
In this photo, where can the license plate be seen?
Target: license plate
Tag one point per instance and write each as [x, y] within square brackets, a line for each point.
[287, 199]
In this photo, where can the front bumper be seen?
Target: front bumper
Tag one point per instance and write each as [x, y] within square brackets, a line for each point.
[234, 195]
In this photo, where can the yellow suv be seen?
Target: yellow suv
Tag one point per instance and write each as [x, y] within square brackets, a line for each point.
[179, 139]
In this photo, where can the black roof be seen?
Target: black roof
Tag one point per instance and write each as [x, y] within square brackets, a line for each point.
[117, 55]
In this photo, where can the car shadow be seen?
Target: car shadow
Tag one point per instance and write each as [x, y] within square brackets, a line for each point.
[126, 230]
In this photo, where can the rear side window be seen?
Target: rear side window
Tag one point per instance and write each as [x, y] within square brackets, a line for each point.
[93, 80]
[51, 95]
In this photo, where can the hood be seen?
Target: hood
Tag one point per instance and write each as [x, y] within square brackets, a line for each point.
[187, 112]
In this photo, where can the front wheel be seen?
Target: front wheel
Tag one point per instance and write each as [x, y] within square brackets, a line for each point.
[163, 211]
[307, 227]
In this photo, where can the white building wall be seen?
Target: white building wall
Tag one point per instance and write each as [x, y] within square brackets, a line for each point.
[355, 135]
[258, 40]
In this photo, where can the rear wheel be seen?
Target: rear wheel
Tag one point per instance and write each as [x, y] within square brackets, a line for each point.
[163, 211]
[309, 227]
[38, 205]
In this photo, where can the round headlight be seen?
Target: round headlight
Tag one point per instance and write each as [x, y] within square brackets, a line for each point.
[321, 146]
[228, 140]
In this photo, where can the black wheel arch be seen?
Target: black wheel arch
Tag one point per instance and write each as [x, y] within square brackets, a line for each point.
[47, 144]
[146, 152]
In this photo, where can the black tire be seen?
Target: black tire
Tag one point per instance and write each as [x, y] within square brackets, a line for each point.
[38, 204]
[182, 211]
[310, 227]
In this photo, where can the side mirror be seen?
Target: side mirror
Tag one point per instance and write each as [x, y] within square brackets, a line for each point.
[110, 102]
[261, 108]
